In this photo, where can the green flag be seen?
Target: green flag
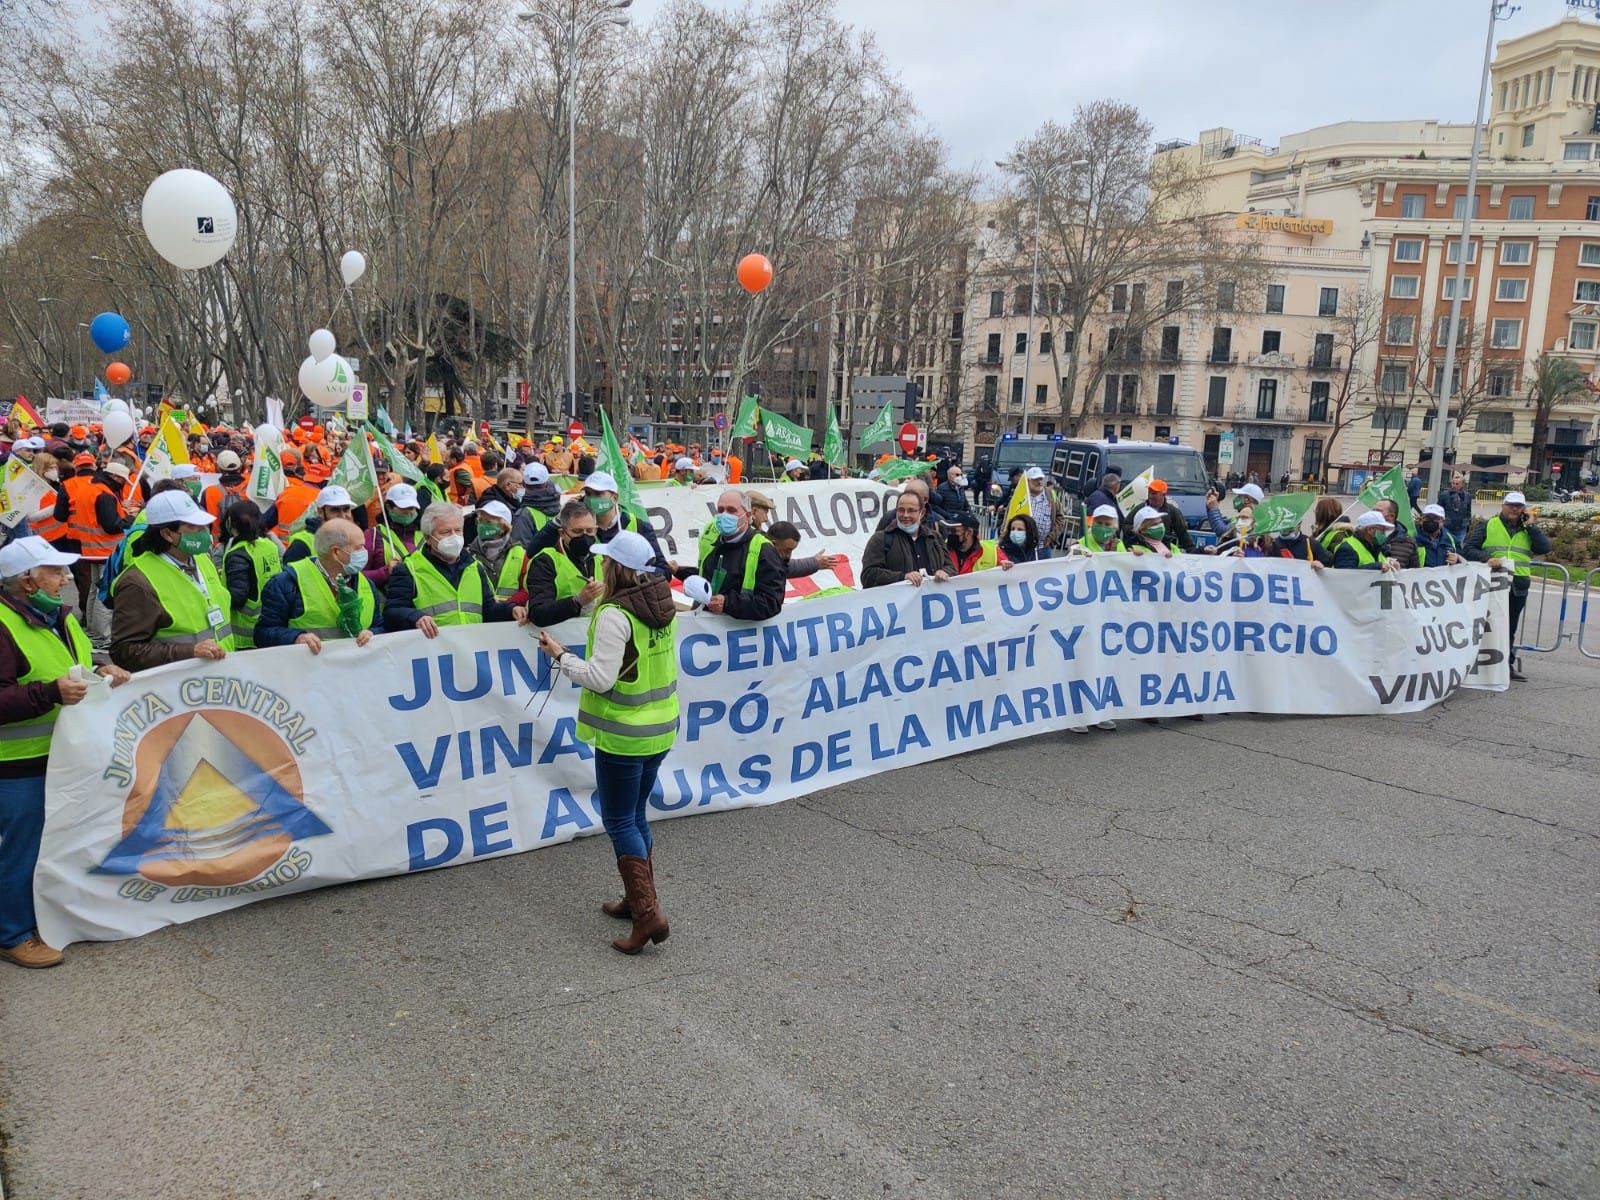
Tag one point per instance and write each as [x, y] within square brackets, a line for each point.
[1282, 513]
[744, 425]
[785, 437]
[902, 468]
[382, 420]
[355, 472]
[612, 461]
[881, 429]
[398, 462]
[832, 442]
[1391, 485]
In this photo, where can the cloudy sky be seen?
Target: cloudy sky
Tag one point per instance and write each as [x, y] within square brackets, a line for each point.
[986, 72]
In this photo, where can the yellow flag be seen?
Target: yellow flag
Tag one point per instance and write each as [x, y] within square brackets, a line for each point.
[435, 455]
[1021, 505]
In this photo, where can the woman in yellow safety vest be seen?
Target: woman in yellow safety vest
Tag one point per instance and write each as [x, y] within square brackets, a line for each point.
[628, 711]
[44, 664]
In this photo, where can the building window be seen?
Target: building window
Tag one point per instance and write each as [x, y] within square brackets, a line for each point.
[1511, 289]
[1108, 431]
[1576, 151]
[991, 390]
[1452, 251]
[1318, 410]
[1401, 331]
[1216, 395]
[1527, 136]
[1266, 399]
[958, 323]
[1495, 420]
[1046, 342]
[1395, 378]
[1459, 209]
[1022, 301]
[997, 304]
[1311, 459]
[1389, 417]
[1174, 295]
[1580, 335]
[1169, 343]
[1500, 382]
[1505, 333]
[1119, 297]
[1016, 389]
[1405, 287]
[1442, 331]
[1138, 297]
[1589, 254]
[1516, 254]
[1587, 291]
[1271, 341]
[992, 353]
[1408, 249]
[1068, 338]
[1021, 346]
[1221, 344]
[1413, 205]
[1328, 302]
[1041, 395]
[1127, 431]
[1163, 432]
[1130, 393]
[1520, 209]
[1275, 297]
[1225, 295]
[1591, 209]
[1455, 380]
[1449, 288]
[1108, 402]
[1322, 351]
[1166, 389]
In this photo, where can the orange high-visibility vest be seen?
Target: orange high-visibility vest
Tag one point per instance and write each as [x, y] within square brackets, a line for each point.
[93, 541]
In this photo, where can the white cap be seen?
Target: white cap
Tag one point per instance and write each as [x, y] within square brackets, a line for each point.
[402, 495]
[495, 509]
[228, 460]
[536, 473]
[334, 496]
[684, 464]
[794, 464]
[1145, 514]
[601, 481]
[1105, 510]
[628, 548]
[28, 443]
[1514, 498]
[1433, 510]
[26, 553]
[185, 471]
[1034, 473]
[698, 589]
[1372, 520]
[167, 507]
[1250, 490]
[119, 469]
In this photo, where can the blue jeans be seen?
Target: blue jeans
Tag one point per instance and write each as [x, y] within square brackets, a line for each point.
[623, 784]
[21, 826]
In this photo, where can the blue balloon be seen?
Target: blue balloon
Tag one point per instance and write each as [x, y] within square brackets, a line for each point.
[109, 332]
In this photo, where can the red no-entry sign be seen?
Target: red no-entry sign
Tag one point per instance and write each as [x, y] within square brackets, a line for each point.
[575, 430]
[908, 437]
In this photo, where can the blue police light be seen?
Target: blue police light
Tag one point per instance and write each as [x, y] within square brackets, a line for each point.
[1173, 440]
[1058, 437]
[1008, 437]
[1111, 439]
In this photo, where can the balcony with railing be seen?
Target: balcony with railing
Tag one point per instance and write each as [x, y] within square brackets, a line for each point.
[1272, 360]
[1222, 358]
[1325, 362]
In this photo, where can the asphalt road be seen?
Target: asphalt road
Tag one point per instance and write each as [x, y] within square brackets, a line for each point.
[1251, 957]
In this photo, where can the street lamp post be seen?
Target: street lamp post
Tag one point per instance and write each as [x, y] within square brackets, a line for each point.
[77, 381]
[609, 14]
[1499, 10]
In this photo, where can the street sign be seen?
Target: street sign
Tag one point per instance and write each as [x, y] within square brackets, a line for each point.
[909, 437]
[1225, 450]
[356, 410]
[720, 421]
[1555, 468]
[307, 423]
[574, 431]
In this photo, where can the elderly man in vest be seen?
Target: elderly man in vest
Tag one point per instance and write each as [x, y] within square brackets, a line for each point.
[323, 598]
[440, 584]
[44, 664]
[747, 574]
[502, 559]
[1510, 541]
[169, 602]
[1363, 550]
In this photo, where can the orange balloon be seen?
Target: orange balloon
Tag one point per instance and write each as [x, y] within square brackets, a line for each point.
[755, 273]
[118, 374]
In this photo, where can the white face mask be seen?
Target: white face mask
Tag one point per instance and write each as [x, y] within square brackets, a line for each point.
[449, 546]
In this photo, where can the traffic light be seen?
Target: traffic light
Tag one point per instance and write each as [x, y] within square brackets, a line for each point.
[913, 397]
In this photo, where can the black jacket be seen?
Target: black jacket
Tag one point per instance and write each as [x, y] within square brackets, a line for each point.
[892, 555]
[760, 603]
[550, 535]
[540, 582]
[950, 501]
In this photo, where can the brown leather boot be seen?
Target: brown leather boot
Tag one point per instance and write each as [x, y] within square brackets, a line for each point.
[35, 954]
[619, 908]
[649, 922]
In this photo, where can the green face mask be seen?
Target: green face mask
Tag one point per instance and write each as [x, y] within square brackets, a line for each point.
[600, 505]
[1380, 537]
[1103, 533]
[1238, 503]
[196, 542]
[1156, 533]
[45, 602]
[192, 486]
[403, 516]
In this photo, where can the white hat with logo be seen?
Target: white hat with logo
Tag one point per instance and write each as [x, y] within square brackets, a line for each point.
[628, 548]
[26, 553]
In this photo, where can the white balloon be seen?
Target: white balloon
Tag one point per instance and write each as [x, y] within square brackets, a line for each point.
[118, 427]
[114, 405]
[327, 383]
[352, 266]
[268, 435]
[322, 344]
[189, 218]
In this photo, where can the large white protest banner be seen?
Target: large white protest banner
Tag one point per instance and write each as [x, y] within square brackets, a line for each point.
[202, 786]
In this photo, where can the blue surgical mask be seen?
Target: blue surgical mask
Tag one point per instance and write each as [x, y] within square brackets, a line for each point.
[727, 524]
[358, 561]
[1019, 537]
[908, 529]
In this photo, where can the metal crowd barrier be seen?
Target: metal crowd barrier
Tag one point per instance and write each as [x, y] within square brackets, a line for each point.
[1537, 613]
[1591, 582]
